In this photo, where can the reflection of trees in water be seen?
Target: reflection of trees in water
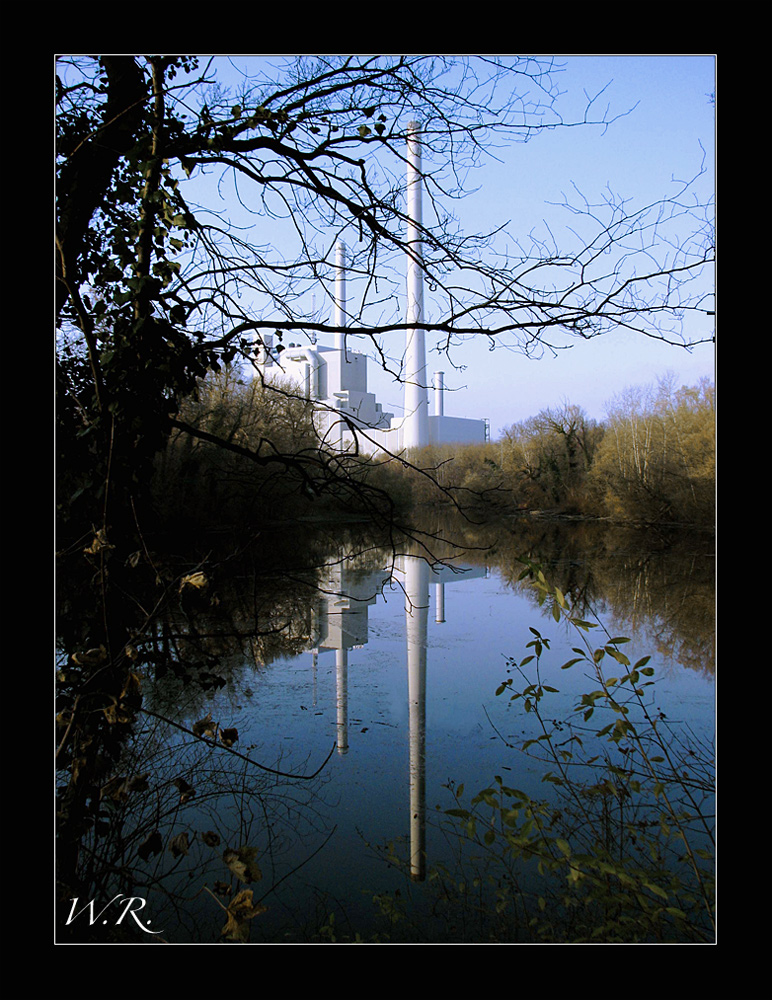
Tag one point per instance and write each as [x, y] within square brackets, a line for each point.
[163, 806]
[660, 588]
[254, 611]
[666, 597]
[186, 823]
[218, 647]
[146, 806]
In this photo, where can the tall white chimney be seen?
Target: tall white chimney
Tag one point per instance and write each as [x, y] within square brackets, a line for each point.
[416, 423]
[340, 296]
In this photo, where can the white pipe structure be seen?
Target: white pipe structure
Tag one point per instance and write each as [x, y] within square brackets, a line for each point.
[439, 595]
[312, 364]
[416, 422]
[439, 394]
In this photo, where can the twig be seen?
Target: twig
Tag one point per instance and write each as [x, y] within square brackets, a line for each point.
[236, 753]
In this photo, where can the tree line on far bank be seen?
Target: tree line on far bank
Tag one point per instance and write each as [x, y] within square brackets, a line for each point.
[651, 460]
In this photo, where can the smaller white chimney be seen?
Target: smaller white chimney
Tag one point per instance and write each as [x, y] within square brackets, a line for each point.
[264, 349]
[439, 394]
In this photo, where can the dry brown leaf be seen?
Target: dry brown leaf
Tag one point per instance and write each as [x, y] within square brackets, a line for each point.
[99, 544]
[117, 713]
[242, 863]
[186, 791]
[180, 844]
[241, 910]
[91, 657]
[152, 844]
[205, 727]
[196, 580]
[115, 789]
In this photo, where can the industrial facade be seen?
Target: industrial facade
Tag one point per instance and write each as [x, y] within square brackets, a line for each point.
[335, 378]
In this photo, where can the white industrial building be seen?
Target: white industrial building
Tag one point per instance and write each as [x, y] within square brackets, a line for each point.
[336, 377]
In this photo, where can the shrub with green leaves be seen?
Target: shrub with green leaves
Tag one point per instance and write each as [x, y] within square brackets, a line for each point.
[621, 848]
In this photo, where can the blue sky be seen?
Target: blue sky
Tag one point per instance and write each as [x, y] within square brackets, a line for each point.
[663, 139]
[638, 156]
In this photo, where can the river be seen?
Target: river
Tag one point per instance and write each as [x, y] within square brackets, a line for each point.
[360, 703]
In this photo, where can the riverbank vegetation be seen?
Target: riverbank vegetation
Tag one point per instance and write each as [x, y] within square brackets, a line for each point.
[650, 461]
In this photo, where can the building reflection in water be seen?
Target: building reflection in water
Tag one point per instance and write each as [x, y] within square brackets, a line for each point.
[346, 594]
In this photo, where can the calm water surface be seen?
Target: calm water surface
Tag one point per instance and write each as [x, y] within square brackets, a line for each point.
[392, 681]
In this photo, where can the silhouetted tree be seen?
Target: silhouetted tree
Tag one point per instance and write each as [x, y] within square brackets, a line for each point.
[195, 214]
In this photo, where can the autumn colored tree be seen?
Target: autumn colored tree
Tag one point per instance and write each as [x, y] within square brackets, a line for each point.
[547, 457]
[657, 459]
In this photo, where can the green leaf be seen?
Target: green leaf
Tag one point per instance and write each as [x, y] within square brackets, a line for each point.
[570, 663]
[582, 624]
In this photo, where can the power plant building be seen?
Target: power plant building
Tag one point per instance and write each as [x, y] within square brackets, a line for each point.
[335, 378]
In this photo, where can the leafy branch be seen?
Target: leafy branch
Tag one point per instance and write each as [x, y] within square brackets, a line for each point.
[624, 843]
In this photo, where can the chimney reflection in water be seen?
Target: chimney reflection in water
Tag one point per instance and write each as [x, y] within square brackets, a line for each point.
[416, 614]
[342, 624]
